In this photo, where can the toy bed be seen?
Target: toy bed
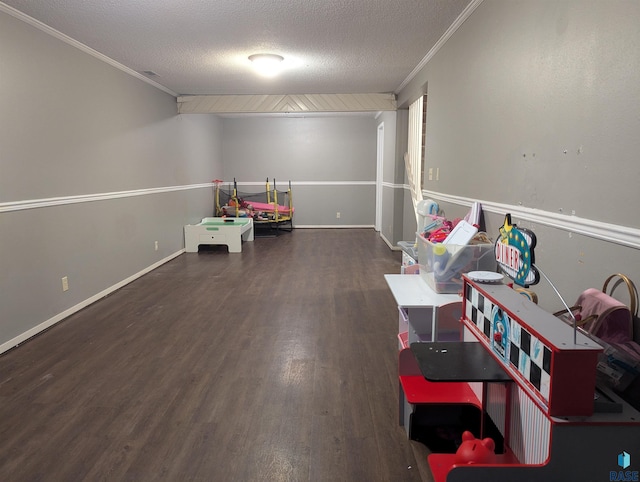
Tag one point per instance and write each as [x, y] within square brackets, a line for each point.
[212, 231]
[263, 207]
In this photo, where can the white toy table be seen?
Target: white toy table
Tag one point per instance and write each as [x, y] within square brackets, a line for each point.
[214, 230]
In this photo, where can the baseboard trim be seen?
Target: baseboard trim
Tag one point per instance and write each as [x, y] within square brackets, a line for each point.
[314, 183]
[334, 226]
[83, 304]
[390, 244]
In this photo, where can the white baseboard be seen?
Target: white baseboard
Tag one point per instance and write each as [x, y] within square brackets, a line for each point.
[390, 244]
[333, 226]
[83, 304]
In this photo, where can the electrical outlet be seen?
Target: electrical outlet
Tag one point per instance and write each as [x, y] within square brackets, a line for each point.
[65, 284]
[431, 174]
[156, 246]
[338, 215]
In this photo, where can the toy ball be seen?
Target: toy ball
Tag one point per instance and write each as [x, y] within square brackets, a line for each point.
[475, 451]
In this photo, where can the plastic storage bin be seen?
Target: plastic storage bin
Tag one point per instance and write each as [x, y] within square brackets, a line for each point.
[442, 266]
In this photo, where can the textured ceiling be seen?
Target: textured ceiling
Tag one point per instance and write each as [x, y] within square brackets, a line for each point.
[201, 46]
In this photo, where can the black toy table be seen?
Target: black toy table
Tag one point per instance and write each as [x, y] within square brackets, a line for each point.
[461, 361]
[458, 362]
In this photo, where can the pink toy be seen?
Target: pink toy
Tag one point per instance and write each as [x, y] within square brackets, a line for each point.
[475, 451]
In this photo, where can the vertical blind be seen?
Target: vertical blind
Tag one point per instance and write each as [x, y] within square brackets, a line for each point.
[413, 157]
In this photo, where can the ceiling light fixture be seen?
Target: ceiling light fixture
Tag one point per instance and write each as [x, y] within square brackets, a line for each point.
[267, 65]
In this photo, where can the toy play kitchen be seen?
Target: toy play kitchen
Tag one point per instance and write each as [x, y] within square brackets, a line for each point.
[515, 374]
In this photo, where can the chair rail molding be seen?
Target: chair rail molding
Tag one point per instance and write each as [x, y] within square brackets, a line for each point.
[84, 198]
[613, 233]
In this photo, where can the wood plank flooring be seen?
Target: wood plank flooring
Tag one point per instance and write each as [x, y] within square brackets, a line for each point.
[277, 364]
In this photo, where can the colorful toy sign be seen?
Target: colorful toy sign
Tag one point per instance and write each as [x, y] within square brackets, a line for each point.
[514, 253]
[500, 325]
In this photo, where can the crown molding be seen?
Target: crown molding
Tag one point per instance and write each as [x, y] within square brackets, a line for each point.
[80, 46]
[466, 13]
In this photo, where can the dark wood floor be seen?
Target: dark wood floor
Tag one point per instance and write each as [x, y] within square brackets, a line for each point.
[277, 364]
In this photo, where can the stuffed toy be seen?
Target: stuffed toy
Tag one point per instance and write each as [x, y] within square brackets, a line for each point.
[475, 451]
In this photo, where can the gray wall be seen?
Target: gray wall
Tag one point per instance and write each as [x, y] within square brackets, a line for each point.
[398, 218]
[331, 162]
[390, 189]
[72, 125]
[519, 83]
[533, 106]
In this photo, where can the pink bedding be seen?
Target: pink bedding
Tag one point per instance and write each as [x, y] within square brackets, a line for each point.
[266, 207]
